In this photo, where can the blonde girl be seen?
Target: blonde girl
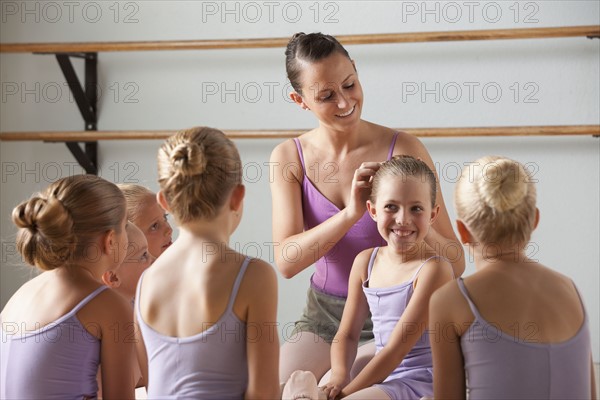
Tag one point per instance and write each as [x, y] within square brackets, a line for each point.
[206, 313]
[145, 213]
[515, 328]
[394, 283]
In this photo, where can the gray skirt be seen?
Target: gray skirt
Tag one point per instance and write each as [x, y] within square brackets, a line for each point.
[322, 315]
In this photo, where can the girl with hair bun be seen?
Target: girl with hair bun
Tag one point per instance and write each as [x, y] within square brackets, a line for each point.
[320, 182]
[206, 313]
[61, 325]
[515, 328]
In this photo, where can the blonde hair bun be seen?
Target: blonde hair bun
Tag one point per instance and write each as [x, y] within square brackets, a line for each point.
[502, 185]
[187, 159]
[495, 197]
[197, 169]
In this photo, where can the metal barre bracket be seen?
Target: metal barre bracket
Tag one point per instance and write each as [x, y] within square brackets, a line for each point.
[87, 100]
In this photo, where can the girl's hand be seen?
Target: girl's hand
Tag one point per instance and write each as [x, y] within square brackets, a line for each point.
[361, 188]
[334, 387]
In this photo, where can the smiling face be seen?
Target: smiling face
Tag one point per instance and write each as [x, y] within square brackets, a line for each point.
[331, 90]
[152, 221]
[403, 211]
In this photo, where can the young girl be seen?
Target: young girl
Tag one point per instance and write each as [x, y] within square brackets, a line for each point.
[319, 186]
[206, 313]
[145, 213]
[124, 279]
[515, 328]
[395, 283]
[58, 327]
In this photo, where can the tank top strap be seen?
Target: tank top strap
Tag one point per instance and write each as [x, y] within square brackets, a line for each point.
[137, 306]
[391, 152]
[87, 299]
[580, 301]
[465, 293]
[300, 154]
[371, 262]
[422, 265]
[238, 282]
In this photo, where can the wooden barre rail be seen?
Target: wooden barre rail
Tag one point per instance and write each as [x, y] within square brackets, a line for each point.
[493, 34]
[86, 136]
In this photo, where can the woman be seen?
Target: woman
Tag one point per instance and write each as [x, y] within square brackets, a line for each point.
[320, 185]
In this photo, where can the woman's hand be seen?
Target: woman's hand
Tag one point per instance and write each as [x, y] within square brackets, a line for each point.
[361, 188]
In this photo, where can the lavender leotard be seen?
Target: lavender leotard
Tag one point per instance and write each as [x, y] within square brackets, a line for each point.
[333, 269]
[209, 365]
[413, 378]
[59, 361]
[501, 366]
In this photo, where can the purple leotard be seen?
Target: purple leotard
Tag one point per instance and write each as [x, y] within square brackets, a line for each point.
[59, 361]
[209, 365]
[413, 378]
[333, 269]
[501, 366]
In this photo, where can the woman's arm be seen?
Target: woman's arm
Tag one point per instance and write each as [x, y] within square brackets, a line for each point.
[345, 343]
[448, 362]
[407, 331]
[117, 352]
[262, 341]
[296, 249]
[441, 236]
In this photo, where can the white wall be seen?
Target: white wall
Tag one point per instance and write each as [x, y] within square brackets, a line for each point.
[542, 82]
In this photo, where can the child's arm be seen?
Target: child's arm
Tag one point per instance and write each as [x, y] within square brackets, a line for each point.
[259, 287]
[345, 343]
[117, 352]
[408, 330]
[448, 362]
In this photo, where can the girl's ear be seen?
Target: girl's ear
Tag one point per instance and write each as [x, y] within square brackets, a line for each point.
[162, 201]
[372, 210]
[237, 197]
[463, 232]
[111, 279]
[435, 211]
[537, 218]
[108, 242]
[110, 245]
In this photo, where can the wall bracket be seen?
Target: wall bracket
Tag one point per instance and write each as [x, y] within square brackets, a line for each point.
[87, 100]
